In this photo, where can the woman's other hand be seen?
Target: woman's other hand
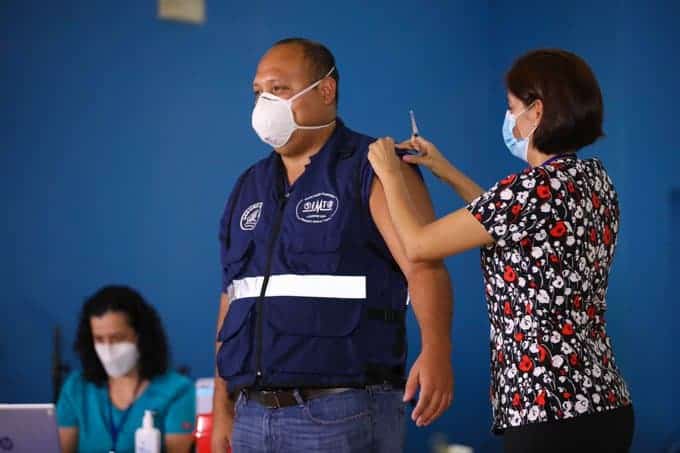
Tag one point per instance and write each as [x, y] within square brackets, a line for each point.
[429, 156]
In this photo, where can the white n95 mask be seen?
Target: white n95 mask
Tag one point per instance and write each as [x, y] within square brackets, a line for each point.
[117, 358]
[273, 119]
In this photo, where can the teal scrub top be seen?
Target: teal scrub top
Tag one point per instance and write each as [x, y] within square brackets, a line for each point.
[85, 406]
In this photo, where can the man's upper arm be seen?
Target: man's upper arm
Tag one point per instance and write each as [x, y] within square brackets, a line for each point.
[222, 312]
[381, 216]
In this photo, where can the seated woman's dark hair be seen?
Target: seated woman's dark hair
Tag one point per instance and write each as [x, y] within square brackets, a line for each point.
[142, 317]
[571, 96]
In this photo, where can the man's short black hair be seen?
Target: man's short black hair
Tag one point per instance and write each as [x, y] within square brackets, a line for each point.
[142, 317]
[321, 60]
[572, 100]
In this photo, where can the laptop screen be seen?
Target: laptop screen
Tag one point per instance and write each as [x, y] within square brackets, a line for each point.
[28, 428]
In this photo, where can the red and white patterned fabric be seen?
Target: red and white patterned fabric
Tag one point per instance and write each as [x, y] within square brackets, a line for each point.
[555, 228]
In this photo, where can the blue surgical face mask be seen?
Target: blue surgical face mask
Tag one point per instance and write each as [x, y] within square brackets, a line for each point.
[517, 147]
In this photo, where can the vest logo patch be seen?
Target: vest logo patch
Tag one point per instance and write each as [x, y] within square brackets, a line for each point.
[317, 208]
[251, 216]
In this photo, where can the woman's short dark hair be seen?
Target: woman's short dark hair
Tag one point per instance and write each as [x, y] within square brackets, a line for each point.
[571, 96]
[142, 317]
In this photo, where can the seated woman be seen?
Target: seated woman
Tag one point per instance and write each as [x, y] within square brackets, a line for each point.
[124, 355]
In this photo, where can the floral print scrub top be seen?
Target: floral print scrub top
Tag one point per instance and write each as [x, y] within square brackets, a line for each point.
[555, 228]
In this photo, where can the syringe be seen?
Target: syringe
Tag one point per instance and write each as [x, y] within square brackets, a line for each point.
[414, 126]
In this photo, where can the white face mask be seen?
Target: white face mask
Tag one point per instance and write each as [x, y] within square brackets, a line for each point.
[117, 358]
[273, 119]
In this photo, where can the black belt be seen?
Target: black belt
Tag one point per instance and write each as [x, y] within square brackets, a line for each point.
[276, 399]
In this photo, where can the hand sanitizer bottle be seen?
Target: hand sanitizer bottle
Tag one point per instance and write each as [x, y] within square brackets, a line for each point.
[147, 438]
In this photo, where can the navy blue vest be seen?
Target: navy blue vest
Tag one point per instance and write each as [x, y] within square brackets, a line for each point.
[316, 298]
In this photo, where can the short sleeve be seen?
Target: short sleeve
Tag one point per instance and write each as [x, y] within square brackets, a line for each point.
[67, 415]
[181, 412]
[515, 206]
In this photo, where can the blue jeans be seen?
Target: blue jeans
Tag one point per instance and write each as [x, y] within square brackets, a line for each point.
[354, 421]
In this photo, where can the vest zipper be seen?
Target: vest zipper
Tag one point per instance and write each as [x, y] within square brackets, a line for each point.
[260, 302]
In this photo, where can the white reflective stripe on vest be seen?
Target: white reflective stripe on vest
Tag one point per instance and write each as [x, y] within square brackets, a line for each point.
[291, 285]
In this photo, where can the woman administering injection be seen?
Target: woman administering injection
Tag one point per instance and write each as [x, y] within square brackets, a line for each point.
[548, 236]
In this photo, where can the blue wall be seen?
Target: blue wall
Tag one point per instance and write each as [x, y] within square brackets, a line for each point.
[121, 136]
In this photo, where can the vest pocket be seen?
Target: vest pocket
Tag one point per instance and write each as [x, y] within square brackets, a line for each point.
[236, 336]
[314, 336]
[314, 254]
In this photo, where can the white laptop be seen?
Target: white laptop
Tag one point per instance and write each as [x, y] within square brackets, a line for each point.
[28, 428]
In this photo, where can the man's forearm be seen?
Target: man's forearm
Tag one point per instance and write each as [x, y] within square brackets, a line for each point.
[223, 406]
[432, 299]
